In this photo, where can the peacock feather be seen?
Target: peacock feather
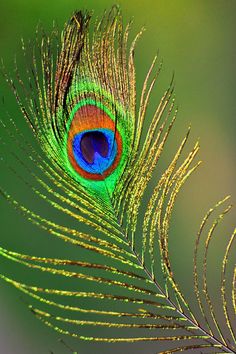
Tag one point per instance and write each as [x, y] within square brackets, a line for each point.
[92, 160]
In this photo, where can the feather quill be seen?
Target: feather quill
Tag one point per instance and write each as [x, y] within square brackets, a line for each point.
[94, 165]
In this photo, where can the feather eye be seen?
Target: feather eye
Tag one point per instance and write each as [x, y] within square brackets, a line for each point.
[94, 166]
[95, 140]
[94, 145]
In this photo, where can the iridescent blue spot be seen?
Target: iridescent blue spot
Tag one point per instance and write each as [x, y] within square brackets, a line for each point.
[95, 150]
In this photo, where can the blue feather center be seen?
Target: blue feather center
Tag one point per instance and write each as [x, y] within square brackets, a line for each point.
[95, 150]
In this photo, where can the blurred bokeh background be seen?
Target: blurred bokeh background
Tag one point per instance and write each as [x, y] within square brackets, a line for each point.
[196, 40]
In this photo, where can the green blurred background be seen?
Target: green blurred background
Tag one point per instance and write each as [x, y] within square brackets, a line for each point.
[196, 40]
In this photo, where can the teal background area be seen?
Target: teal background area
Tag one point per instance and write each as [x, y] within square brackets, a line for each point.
[196, 40]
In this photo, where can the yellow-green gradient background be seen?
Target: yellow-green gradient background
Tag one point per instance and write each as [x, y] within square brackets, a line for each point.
[196, 39]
